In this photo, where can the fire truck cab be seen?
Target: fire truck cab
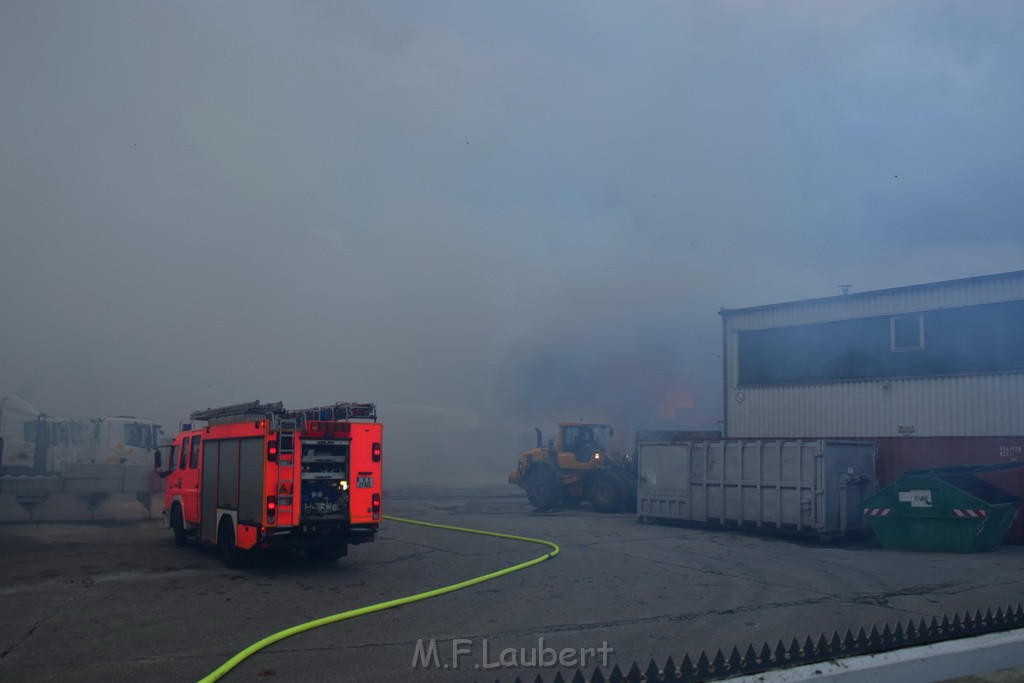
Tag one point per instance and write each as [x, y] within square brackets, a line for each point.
[257, 476]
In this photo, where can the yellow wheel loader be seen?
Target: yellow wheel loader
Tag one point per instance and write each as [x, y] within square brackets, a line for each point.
[581, 467]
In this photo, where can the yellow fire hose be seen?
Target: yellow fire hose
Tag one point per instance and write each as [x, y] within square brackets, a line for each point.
[351, 614]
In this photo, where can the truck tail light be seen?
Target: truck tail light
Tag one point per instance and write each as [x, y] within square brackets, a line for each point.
[271, 508]
[376, 451]
[375, 504]
[272, 451]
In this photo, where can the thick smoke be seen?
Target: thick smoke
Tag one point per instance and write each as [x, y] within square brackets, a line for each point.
[652, 375]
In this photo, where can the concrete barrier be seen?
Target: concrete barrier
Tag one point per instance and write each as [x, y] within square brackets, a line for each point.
[120, 507]
[31, 486]
[154, 503]
[84, 492]
[11, 510]
[139, 478]
[63, 507]
[93, 485]
[79, 470]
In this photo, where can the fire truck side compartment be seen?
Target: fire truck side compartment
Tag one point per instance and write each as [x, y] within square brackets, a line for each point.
[250, 478]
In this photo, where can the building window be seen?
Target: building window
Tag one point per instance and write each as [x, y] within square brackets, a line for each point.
[907, 332]
[962, 340]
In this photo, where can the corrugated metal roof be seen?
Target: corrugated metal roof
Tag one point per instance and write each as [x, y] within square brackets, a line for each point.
[863, 298]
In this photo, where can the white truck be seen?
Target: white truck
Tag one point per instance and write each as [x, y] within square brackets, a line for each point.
[123, 440]
[35, 443]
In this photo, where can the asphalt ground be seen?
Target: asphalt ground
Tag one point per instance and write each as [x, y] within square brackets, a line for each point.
[121, 602]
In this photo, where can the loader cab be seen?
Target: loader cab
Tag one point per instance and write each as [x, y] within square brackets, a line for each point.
[585, 441]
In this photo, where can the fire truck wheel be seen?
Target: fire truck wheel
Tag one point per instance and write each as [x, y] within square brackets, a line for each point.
[330, 554]
[230, 555]
[178, 526]
[542, 489]
[607, 492]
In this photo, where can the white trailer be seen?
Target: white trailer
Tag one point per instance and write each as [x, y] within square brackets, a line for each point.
[36, 443]
[17, 432]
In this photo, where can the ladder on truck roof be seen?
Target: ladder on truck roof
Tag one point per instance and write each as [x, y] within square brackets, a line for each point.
[254, 410]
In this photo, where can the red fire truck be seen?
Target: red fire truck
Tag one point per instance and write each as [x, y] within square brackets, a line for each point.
[257, 476]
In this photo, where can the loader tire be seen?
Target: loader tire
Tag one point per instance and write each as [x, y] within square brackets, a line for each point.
[542, 489]
[607, 492]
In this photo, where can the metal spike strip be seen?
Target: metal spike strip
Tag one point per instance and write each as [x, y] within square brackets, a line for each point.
[811, 650]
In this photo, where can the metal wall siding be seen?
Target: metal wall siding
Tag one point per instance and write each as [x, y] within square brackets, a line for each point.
[969, 405]
[966, 405]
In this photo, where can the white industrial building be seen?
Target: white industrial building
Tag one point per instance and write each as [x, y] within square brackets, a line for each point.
[939, 359]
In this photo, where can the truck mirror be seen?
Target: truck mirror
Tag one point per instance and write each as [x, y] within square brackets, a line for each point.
[611, 431]
[156, 459]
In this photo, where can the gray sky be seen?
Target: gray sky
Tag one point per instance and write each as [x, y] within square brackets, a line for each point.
[482, 216]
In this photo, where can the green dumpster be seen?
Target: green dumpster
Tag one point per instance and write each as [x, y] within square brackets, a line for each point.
[942, 510]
